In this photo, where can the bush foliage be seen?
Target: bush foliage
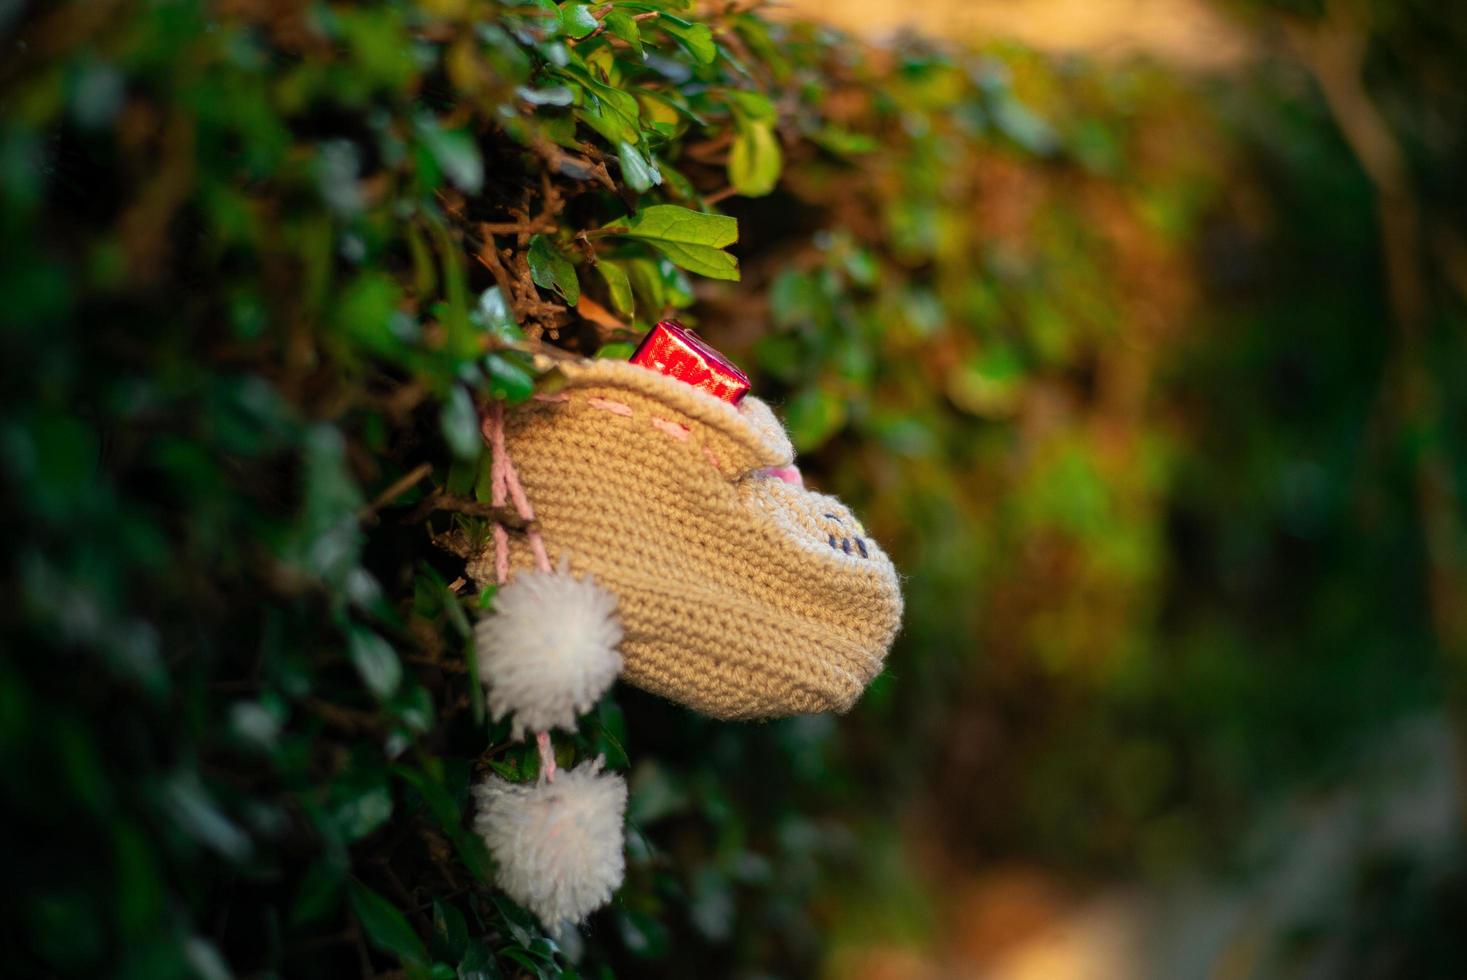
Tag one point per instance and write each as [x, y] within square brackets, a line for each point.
[266, 262]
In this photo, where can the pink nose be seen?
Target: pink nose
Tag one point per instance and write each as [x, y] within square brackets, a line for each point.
[789, 474]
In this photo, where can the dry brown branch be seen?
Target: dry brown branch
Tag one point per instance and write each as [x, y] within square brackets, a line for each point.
[440, 501]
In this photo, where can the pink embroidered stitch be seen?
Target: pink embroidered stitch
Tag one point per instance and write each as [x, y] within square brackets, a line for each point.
[607, 405]
[675, 429]
[679, 432]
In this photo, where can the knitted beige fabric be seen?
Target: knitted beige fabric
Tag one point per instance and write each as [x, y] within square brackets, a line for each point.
[741, 596]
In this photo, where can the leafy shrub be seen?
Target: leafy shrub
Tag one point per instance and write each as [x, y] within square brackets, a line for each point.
[276, 256]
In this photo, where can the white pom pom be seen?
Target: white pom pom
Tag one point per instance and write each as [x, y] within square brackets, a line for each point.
[558, 845]
[548, 651]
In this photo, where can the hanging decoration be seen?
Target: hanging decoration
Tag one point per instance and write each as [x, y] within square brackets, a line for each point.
[693, 562]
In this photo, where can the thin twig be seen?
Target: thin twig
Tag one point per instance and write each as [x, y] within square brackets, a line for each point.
[396, 489]
[720, 195]
[440, 501]
[541, 226]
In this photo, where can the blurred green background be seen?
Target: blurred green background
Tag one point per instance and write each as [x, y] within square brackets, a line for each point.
[1149, 371]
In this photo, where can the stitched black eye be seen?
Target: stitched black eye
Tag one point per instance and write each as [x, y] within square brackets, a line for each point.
[832, 541]
[861, 545]
[845, 545]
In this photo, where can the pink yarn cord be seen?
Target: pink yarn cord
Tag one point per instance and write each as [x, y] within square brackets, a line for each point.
[494, 433]
[504, 481]
[547, 756]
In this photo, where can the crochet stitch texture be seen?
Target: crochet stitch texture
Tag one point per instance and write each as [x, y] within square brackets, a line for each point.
[741, 596]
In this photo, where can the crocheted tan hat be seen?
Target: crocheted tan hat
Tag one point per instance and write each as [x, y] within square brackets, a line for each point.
[741, 595]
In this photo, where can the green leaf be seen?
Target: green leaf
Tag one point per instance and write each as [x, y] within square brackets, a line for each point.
[318, 893]
[375, 661]
[507, 379]
[478, 962]
[425, 277]
[647, 286]
[751, 106]
[639, 172]
[494, 315]
[618, 351]
[455, 152]
[435, 795]
[552, 270]
[554, 95]
[697, 38]
[693, 240]
[755, 160]
[618, 286]
[813, 416]
[360, 804]
[642, 934]
[461, 476]
[471, 657]
[195, 811]
[676, 285]
[670, 223]
[605, 108]
[843, 142]
[367, 309]
[460, 424]
[462, 339]
[623, 25]
[576, 20]
[453, 931]
[524, 959]
[385, 926]
[1015, 121]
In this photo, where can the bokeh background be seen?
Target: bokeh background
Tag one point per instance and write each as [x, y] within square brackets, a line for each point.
[1137, 332]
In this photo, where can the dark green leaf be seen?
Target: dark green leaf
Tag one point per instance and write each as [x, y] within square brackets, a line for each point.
[385, 926]
[440, 803]
[194, 810]
[452, 930]
[642, 934]
[462, 339]
[375, 660]
[460, 423]
[478, 962]
[524, 959]
[360, 806]
[552, 270]
[319, 892]
[455, 152]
